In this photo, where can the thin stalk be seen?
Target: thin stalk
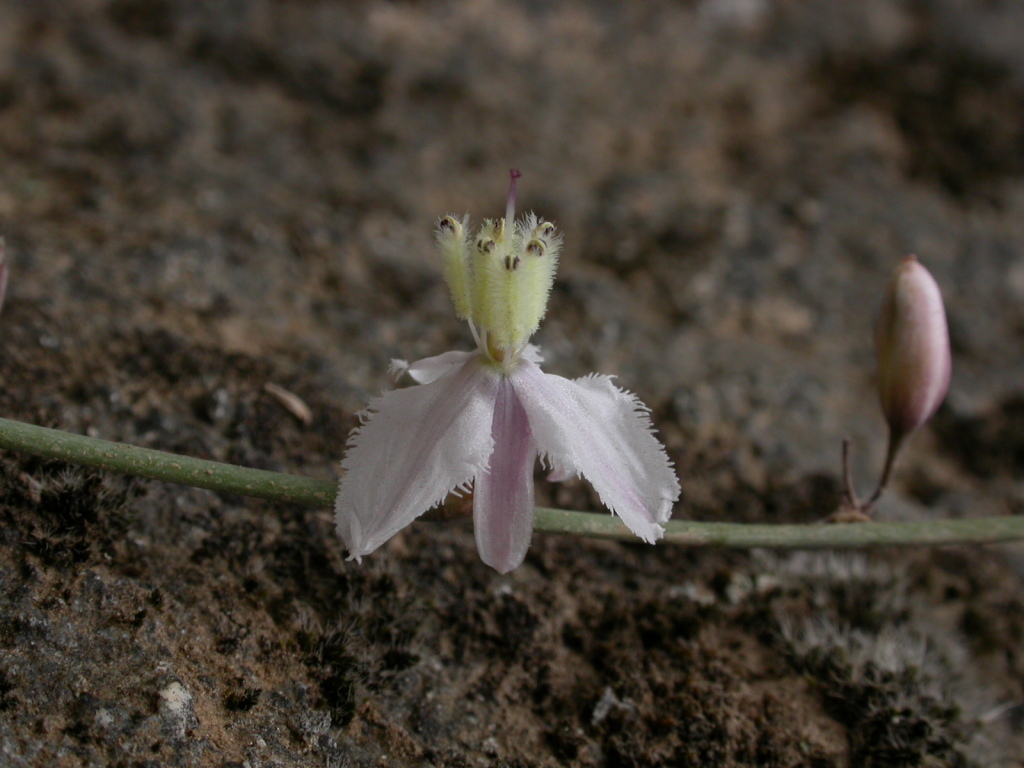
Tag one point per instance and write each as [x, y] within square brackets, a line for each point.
[891, 451]
[169, 467]
[980, 530]
[310, 492]
[850, 500]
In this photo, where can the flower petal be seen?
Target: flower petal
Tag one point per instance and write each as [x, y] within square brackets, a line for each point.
[533, 353]
[431, 368]
[503, 494]
[414, 447]
[591, 427]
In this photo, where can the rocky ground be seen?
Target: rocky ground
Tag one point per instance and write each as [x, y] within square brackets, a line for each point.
[200, 198]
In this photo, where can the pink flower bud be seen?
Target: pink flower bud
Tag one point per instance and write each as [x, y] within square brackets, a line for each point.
[912, 345]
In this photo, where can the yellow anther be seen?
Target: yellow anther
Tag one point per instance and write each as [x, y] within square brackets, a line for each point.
[500, 279]
[452, 242]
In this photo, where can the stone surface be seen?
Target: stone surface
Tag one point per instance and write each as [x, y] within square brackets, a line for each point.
[203, 198]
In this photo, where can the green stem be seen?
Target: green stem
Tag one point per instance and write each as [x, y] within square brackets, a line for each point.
[306, 491]
[170, 467]
[979, 530]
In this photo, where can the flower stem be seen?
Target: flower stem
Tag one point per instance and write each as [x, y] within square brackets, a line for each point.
[891, 451]
[307, 491]
[170, 467]
[979, 530]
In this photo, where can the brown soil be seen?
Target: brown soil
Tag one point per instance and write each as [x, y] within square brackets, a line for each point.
[201, 198]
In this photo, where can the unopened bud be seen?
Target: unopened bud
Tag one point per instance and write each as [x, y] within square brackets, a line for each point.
[912, 345]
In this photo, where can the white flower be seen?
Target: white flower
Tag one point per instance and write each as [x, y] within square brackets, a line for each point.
[482, 418]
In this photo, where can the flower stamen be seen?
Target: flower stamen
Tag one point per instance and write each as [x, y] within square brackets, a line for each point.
[501, 277]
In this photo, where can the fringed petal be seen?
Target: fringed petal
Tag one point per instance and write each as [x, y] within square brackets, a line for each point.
[503, 494]
[432, 368]
[591, 427]
[414, 447]
[533, 353]
[398, 368]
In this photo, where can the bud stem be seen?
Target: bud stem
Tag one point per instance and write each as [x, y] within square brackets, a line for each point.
[895, 443]
[852, 509]
[850, 501]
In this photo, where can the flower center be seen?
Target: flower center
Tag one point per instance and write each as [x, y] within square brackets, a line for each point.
[500, 280]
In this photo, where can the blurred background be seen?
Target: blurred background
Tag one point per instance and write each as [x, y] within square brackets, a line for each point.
[200, 198]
